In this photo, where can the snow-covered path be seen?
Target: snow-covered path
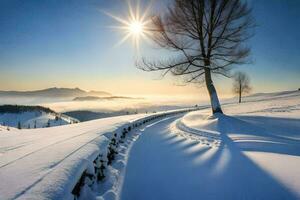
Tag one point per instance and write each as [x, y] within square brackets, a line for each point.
[163, 164]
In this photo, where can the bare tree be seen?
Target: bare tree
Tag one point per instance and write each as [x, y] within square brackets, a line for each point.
[207, 37]
[241, 84]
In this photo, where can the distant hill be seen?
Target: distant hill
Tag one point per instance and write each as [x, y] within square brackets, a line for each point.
[20, 116]
[276, 94]
[272, 95]
[85, 115]
[21, 108]
[54, 93]
[267, 96]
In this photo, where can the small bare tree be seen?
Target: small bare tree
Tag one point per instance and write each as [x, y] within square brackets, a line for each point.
[241, 84]
[207, 37]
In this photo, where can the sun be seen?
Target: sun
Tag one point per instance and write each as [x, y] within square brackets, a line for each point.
[134, 26]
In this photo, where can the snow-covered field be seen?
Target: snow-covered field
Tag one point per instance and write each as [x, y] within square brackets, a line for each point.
[280, 104]
[252, 152]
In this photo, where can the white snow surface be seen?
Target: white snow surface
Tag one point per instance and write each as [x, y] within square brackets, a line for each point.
[3, 128]
[252, 152]
[46, 163]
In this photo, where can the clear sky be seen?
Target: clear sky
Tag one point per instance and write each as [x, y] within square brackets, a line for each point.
[68, 43]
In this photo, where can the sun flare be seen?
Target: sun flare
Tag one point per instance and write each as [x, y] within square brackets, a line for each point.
[134, 26]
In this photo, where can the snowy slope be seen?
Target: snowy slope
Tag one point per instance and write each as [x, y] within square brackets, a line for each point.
[31, 119]
[3, 128]
[47, 163]
[281, 104]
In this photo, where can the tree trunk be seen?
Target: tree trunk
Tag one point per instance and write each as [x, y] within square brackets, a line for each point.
[214, 100]
[240, 93]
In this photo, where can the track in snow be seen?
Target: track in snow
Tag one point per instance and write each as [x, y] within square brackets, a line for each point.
[48, 146]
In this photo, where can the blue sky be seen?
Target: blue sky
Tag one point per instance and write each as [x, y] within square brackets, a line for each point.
[69, 44]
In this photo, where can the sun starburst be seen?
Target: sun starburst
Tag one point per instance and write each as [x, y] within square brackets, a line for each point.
[135, 25]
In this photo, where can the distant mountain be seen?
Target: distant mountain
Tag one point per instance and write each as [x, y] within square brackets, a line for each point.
[53, 93]
[86, 98]
[98, 93]
[94, 98]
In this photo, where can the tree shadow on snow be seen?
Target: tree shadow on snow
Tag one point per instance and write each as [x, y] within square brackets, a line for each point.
[282, 127]
[264, 134]
[230, 174]
[183, 169]
[226, 172]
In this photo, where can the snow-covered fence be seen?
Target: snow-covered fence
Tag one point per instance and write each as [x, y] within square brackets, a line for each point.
[95, 170]
[69, 119]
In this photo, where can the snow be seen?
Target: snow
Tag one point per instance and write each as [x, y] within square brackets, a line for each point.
[252, 152]
[33, 154]
[282, 104]
[31, 119]
[3, 128]
[47, 163]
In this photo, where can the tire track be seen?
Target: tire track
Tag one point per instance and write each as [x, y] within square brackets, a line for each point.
[47, 146]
